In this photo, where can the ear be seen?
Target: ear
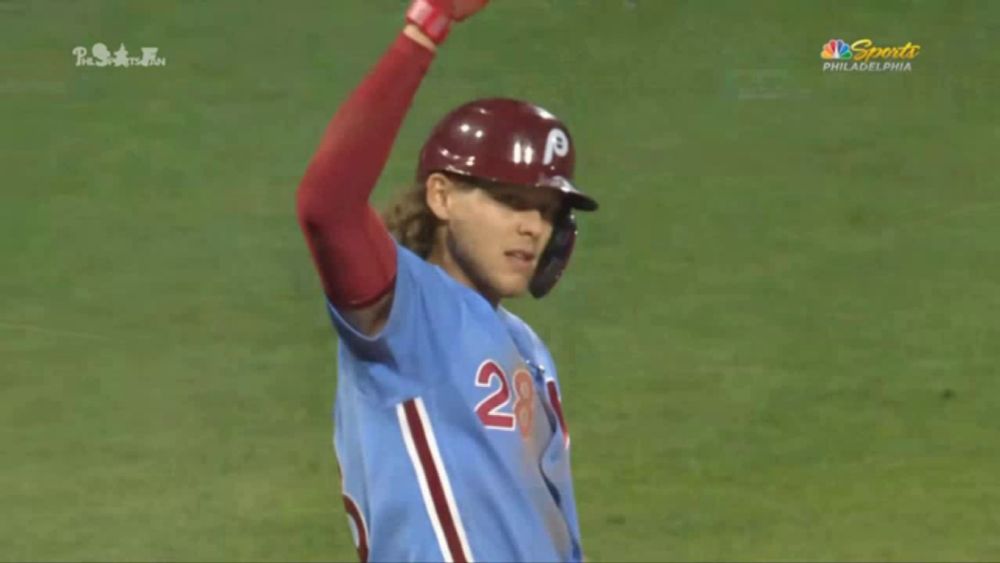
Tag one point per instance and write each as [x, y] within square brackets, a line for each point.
[439, 194]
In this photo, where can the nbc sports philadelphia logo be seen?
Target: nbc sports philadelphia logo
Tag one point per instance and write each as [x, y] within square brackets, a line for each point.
[865, 56]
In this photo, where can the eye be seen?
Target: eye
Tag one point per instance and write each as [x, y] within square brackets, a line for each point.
[510, 200]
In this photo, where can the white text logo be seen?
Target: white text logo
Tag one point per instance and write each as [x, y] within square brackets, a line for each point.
[100, 55]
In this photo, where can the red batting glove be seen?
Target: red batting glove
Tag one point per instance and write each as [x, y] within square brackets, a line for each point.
[434, 17]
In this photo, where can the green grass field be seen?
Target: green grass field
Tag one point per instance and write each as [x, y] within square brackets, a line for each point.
[779, 338]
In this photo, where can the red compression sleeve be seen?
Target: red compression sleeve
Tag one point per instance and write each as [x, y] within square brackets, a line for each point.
[352, 249]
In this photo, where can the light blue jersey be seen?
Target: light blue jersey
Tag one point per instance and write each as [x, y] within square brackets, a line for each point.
[449, 431]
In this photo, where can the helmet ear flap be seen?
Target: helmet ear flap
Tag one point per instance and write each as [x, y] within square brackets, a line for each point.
[556, 255]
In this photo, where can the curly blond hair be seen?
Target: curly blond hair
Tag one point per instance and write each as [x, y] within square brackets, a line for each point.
[410, 221]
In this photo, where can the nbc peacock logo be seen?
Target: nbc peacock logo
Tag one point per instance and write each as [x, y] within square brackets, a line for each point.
[835, 50]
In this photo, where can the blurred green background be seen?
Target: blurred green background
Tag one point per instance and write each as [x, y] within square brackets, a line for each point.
[778, 340]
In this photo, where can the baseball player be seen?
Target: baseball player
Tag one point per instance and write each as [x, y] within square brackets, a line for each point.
[450, 433]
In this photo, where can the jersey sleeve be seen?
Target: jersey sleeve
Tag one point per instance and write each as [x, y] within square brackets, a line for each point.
[405, 292]
[423, 305]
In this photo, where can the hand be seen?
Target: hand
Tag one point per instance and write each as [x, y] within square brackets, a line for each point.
[433, 17]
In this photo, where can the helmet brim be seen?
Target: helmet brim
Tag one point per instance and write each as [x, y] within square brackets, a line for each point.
[576, 198]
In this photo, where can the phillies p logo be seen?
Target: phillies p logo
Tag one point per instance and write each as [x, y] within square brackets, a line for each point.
[557, 144]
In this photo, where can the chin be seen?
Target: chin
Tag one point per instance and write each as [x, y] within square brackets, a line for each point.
[512, 287]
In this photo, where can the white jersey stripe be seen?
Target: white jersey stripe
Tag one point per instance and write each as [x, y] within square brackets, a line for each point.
[445, 481]
[425, 492]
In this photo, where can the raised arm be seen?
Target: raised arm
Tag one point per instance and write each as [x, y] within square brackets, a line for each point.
[352, 250]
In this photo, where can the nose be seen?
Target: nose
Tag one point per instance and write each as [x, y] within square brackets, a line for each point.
[531, 222]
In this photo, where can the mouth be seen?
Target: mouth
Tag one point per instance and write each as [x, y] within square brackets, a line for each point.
[521, 259]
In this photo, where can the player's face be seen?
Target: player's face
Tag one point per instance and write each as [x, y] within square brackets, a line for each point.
[496, 235]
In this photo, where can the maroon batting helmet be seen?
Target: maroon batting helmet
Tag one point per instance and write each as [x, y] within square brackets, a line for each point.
[506, 141]
[513, 142]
